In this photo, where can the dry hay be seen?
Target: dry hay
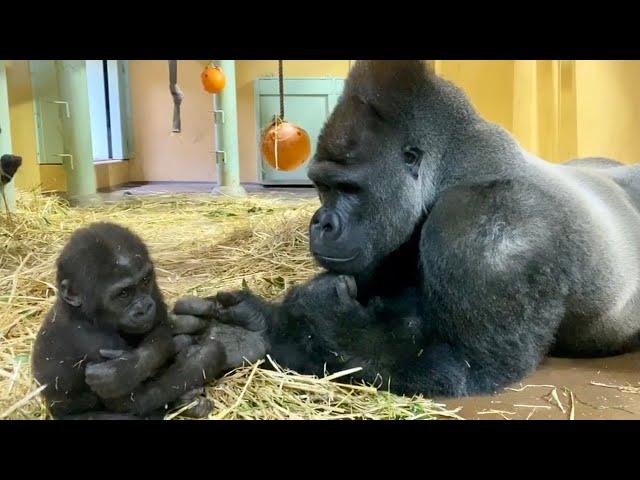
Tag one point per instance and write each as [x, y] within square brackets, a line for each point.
[200, 244]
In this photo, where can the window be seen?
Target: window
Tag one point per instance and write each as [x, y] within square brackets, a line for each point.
[109, 108]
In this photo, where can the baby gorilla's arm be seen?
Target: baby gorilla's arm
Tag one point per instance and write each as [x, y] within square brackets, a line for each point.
[191, 370]
[126, 370]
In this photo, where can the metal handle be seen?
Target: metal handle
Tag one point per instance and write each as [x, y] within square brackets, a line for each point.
[215, 119]
[65, 155]
[66, 106]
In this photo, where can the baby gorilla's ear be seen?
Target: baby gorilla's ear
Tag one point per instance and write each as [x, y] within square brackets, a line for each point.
[68, 294]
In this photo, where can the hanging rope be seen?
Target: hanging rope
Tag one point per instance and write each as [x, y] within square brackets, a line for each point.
[176, 93]
[281, 82]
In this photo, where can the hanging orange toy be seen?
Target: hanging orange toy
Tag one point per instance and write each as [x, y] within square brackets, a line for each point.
[213, 79]
[285, 146]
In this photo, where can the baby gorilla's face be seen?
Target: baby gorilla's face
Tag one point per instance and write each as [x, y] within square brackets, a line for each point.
[130, 302]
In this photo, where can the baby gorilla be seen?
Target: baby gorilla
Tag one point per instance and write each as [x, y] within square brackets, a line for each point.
[107, 349]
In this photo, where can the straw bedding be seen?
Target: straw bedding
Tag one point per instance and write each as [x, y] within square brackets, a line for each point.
[199, 244]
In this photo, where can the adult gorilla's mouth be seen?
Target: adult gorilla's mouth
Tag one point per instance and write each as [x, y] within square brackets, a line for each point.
[330, 259]
[337, 264]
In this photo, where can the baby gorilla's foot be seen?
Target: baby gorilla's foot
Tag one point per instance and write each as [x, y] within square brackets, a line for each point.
[201, 409]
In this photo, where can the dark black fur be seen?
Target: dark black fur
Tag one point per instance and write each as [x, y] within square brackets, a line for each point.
[9, 165]
[108, 344]
[456, 260]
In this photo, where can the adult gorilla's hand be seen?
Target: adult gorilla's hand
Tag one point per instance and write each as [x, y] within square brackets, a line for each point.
[239, 320]
[241, 308]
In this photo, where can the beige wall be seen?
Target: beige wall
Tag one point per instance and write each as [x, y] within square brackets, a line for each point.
[161, 155]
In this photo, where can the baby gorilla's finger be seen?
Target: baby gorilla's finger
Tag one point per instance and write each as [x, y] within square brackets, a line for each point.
[180, 342]
[186, 324]
[111, 354]
[196, 306]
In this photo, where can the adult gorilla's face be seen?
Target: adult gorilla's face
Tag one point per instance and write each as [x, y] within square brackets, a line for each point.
[367, 173]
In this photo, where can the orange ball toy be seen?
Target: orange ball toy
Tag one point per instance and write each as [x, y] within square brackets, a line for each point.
[285, 146]
[213, 79]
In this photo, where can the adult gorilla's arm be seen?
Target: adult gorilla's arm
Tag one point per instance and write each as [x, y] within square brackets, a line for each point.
[320, 326]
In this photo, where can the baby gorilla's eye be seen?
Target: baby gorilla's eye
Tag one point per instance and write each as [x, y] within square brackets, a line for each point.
[124, 293]
[146, 279]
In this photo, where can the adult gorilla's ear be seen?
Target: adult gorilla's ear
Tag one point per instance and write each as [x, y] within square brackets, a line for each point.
[413, 159]
[68, 294]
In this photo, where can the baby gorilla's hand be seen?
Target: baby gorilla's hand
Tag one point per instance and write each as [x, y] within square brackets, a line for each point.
[115, 377]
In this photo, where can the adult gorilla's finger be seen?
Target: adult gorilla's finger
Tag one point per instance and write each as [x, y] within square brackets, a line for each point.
[244, 315]
[196, 306]
[230, 299]
[186, 323]
[111, 354]
[346, 288]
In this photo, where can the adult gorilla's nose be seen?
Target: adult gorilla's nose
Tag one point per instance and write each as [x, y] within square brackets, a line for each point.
[326, 225]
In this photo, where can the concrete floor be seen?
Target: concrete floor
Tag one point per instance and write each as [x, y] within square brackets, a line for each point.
[202, 188]
[591, 402]
[533, 401]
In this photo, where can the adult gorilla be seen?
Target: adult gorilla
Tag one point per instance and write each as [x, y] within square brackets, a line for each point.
[456, 260]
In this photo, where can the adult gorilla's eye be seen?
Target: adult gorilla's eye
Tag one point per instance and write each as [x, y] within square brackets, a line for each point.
[322, 187]
[124, 293]
[146, 279]
[348, 188]
[412, 155]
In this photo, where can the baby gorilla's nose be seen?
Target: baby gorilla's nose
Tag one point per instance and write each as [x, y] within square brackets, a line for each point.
[144, 308]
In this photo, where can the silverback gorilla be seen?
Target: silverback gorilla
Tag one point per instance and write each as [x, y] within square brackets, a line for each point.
[455, 260]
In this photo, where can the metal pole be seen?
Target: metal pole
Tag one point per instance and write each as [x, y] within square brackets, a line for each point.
[78, 160]
[226, 118]
[5, 139]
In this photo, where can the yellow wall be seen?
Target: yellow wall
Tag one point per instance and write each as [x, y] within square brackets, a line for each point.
[23, 132]
[53, 178]
[159, 153]
[246, 72]
[489, 84]
[112, 174]
[608, 109]
[558, 109]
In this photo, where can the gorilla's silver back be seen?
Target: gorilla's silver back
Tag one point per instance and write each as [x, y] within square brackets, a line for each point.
[603, 198]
